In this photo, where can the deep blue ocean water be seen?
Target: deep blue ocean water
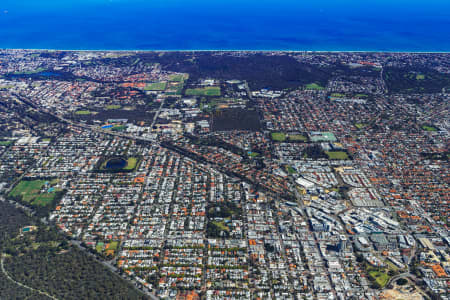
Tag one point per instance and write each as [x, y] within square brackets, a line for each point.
[321, 25]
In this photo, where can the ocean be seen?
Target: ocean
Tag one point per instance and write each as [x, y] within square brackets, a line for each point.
[321, 25]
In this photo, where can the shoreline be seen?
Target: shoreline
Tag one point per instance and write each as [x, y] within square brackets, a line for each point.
[227, 50]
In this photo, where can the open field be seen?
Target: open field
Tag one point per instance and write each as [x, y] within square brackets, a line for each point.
[44, 199]
[290, 170]
[278, 136]
[131, 163]
[178, 77]
[297, 138]
[253, 154]
[337, 155]
[221, 225]
[5, 143]
[380, 277]
[314, 86]
[360, 125]
[28, 190]
[207, 91]
[38, 70]
[113, 245]
[174, 88]
[113, 107]
[99, 247]
[118, 128]
[157, 86]
[361, 96]
[429, 128]
[283, 137]
[83, 112]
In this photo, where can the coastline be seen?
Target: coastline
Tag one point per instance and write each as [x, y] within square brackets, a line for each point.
[227, 50]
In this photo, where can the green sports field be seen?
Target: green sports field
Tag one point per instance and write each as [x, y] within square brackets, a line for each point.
[6, 143]
[112, 106]
[278, 136]
[207, 91]
[30, 191]
[157, 86]
[297, 138]
[314, 86]
[337, 155]
[178, 77]
[38, 70]
[429, 128]
[44, 199]
[131, 163]
[83, 112]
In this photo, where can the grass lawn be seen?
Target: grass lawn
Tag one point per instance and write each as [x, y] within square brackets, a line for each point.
[118, 128]
[297, 138]
[99, 247]
[314, 86]
[221, 225]
[157, 86]
[380, 277]
[207, 91]
[44, 199]
[174, 88]
[360, 125]
[336, 154]
[290, 170]
[5, 143]
[278, 136]
[361, 96]
[178, 77]
[253, 154]
[429, 128]
[28, 190]
[113, 107]
[212, 91]
[38, 70]
[131, 163]
[113, 245]
[83, 112]
[209, 104]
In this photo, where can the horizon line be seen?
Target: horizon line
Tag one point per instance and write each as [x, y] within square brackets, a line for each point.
[227, 50]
